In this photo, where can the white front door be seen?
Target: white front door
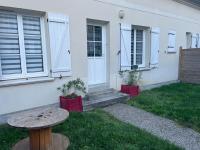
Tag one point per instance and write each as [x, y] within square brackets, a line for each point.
[96, 52]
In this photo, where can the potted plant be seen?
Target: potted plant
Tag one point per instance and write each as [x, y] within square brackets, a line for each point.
[71, 99]
[131, 79]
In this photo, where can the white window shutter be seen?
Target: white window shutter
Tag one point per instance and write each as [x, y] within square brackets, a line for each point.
[172, 41]
[60, 45]
[155, 46]
[125, 47]
[194, 41]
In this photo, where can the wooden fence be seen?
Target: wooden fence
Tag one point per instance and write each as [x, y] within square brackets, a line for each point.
[189, 67]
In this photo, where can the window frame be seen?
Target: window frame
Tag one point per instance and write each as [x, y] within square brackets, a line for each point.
[195, 37]
[95, 41]
[188, 40]
[134, 47]
[172, 34]
[24, 74]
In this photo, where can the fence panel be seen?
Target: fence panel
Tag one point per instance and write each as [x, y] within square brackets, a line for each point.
[189, 68]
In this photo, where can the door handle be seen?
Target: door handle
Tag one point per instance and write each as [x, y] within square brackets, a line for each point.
[69, 51]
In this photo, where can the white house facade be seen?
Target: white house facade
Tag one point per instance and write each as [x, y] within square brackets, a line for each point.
[44, 44]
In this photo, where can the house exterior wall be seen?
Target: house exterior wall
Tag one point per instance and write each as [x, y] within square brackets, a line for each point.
[165, 14]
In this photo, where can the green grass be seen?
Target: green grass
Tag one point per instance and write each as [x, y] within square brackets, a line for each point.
[179, 102]
[94, 131]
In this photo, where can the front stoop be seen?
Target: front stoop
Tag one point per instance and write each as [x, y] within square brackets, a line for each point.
[103, 98]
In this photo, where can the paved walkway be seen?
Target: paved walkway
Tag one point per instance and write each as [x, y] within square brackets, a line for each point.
[158, 126]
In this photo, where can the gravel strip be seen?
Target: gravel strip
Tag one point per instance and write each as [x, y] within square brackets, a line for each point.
[158, 126]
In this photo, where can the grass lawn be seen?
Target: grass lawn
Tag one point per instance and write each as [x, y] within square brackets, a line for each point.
[94, 131]
[179, 102]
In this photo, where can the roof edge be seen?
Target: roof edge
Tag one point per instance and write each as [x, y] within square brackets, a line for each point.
[188, 3]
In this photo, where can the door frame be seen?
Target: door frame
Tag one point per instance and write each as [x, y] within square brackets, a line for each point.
[104, 51]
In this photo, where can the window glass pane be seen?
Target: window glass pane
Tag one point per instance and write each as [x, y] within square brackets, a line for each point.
[90, 49]
[132, 41]
[8, 22]
[98, 33]
[34, 63]
[94, 37]
[90, 33]
[33, 44]
[9, 44]
[98, 49]
[132, 47]
[139, 35]
[138, 59]
[139, 47]
[132, 60]
[31, 25]
[10, 64]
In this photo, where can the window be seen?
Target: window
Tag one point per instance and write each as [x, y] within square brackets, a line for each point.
[94, 41]
[192, 40]
[137, 47]
[22, 47]
[171, 42]
[134, 43]
[189, 39]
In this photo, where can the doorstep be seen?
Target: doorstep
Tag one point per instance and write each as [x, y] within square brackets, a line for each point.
[102, 98]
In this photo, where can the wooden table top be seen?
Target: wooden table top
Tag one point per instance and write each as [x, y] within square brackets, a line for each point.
[39, 119]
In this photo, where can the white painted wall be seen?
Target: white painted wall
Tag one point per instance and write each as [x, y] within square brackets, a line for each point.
[165, 14]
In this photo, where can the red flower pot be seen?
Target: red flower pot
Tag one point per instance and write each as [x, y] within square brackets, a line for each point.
[125, 89]
[71, 104]
[132, 90]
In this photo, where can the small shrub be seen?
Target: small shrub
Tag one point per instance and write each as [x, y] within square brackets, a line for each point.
[72, 88]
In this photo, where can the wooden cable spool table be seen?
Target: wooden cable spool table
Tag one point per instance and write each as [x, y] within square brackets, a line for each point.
[39, 124]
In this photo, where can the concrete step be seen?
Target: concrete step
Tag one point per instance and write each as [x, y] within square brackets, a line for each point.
[109, 92]
[98, 87]
[102, 91]
[103, 98]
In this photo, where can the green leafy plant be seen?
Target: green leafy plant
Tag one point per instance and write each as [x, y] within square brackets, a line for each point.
[131, 77]
[72, 88]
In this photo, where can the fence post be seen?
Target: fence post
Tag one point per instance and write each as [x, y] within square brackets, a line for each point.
[180, 63]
